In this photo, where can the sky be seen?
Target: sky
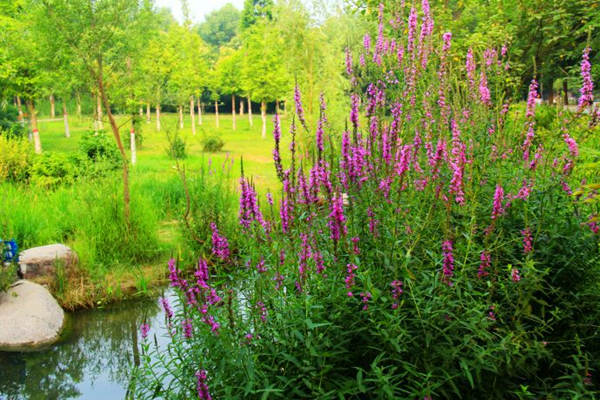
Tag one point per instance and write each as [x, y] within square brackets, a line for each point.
[198, 8]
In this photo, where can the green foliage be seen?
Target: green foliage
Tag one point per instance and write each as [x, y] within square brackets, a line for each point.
[177, 148]
[15, 159]
[87, 216]
[9, 124]
[265, 77]
[213, 144]
[53, 169]
[256, 11]
[220, 26]
[98, 147]
[8, 275]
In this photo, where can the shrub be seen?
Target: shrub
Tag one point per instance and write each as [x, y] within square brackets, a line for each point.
[99, 147]
[177, 148]
[213, 144]
[9, 123]
[15, 159]
[53, 169]
[435, 252]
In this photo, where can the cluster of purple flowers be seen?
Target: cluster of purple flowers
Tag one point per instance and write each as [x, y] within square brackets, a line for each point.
[396, 292]
[220, 246]
[486, 261]
[201, 385]
[249, 208]
[416, 145]
[527, 241]
[587, 90]
[448, 264]
[350, 275]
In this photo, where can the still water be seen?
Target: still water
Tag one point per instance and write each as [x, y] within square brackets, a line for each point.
[93, 360]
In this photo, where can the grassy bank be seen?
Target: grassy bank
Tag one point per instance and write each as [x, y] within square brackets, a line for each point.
[116, 262]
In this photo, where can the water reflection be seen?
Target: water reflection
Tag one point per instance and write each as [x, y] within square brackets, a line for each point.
[93, 361]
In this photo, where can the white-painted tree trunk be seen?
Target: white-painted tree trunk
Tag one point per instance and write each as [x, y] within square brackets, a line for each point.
[52, 107]
[242, 108]
[192, 116]
[180, 110]
[37, 143]
[66, 120]
[249, 111]
[147, 113]
[233, 111]
[263, 115]
[217, 113]
[132, 146]
[158, 117]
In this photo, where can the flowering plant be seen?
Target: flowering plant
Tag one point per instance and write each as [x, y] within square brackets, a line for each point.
[435, 252]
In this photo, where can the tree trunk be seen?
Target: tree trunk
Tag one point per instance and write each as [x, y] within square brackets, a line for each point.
[158, 117]
[20, 109]
[193, 116]
[263, 114]
[566, 92]
[78, 100]
[147, 113]
[99, 113]
[66, 119]
[34, 127]
[132, 144]
[249, 111]
[180, 110]
[199, 113]
[217, 113]
[241, 108]
[277, 110]
[52, 107]
[233, 111]
[141, 112]
[115, 130]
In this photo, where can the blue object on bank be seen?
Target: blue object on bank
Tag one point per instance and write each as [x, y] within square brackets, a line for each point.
[10, 250]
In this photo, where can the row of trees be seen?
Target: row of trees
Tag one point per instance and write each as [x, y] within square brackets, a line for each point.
[148, 59]
[129, 56]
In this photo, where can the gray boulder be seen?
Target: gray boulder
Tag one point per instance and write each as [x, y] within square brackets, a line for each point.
[29, 317]
[42, 261]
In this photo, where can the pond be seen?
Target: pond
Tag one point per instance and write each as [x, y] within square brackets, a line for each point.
[92, 360]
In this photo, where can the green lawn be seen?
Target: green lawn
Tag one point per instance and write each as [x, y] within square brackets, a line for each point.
[243, 143]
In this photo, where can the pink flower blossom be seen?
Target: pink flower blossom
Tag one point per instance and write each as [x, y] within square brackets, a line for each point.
[587, 90]
[486, 260]
[498, 208]
[350, 275]
[527, 240]
[448, 268]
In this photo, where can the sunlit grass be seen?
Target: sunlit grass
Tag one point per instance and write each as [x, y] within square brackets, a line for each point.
[245, 143]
